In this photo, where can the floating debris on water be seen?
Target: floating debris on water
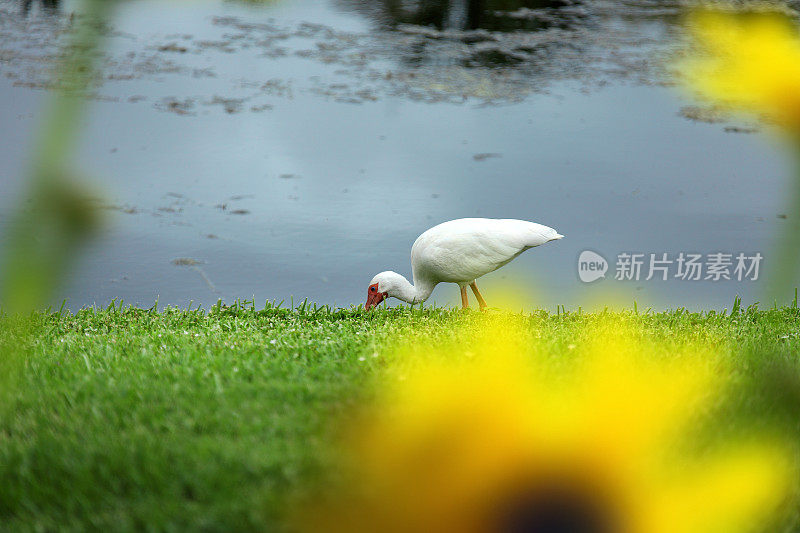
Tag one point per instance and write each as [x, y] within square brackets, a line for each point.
[127, 209]
[186, 261]
[194, 264]
[172, 47]
[709, 115]
[230, 105]
[174, 105]
[741, 129]
[483, 157]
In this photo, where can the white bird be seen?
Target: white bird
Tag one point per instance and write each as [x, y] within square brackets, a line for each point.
[459, 251]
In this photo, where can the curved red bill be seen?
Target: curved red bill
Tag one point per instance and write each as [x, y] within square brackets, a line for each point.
[374, 296]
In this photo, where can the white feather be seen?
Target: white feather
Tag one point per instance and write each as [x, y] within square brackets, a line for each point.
[465, 249]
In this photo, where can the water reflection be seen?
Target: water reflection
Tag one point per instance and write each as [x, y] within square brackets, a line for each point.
[44, 5]
[497, 15]
[518, 34]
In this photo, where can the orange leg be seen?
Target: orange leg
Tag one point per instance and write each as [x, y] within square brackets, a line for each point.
[464, 300]
[481, 301]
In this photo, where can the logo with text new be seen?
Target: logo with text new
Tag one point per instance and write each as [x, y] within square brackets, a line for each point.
[591, 266]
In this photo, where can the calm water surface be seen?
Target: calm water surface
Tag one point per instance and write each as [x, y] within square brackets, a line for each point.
[294, 151]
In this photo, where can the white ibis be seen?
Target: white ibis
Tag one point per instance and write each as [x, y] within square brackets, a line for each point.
[459, 251]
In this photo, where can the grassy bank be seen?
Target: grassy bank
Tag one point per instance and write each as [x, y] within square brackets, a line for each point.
[132, 419]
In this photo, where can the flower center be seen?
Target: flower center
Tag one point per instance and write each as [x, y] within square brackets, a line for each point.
[556, 509]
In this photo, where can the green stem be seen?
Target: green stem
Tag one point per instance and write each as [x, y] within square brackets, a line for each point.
[59, 215]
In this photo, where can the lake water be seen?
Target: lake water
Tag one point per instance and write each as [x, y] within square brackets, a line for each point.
[294, 150]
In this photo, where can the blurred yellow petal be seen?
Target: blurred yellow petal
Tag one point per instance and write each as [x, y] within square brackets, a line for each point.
[730, 492]
[481, 438]
[748, 61]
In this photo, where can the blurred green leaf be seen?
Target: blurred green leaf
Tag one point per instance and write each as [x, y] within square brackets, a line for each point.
[59, 212]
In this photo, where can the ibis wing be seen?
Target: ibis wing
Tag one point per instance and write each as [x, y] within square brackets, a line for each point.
[465, 249]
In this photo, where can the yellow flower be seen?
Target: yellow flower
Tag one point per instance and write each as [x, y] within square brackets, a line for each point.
[748, 61]
[491, 442]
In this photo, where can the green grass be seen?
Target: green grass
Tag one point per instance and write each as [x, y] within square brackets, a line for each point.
[131, 419]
